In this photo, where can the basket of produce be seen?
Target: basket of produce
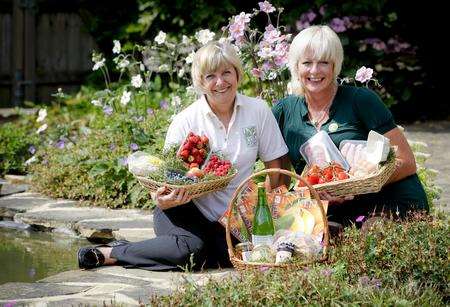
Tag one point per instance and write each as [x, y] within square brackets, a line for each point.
[191, 166]
[280, 229]
[357, 167]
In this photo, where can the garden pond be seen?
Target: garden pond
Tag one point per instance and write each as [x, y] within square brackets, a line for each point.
[27, 255]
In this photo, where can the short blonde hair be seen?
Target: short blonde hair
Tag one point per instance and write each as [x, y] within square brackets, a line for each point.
[211, 57]
[323, 43]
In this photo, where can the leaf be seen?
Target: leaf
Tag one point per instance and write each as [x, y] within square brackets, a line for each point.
[99, 169]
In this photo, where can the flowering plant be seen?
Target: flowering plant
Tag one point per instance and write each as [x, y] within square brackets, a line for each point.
[264, 53]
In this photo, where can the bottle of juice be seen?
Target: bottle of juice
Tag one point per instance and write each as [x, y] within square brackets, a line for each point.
[262, 230]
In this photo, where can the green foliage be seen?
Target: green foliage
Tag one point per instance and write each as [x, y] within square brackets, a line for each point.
[15, 142]
[93, 169]
[405, 265]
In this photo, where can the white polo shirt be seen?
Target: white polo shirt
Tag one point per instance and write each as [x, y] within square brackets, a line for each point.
[252, 133]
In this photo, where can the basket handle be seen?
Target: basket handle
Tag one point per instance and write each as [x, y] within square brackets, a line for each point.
[284, 172]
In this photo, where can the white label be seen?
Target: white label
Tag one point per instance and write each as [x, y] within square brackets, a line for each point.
[257, 240]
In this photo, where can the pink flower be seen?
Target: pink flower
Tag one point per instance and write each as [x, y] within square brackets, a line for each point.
[364, 74]
[360, 218]
[305, 20]
[242, 18]
[256, 72]
[237, 30]
[338, 25]
[322, 10]
[271, 34]
[266, 7]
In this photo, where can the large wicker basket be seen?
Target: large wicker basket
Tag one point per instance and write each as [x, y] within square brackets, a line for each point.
[195, 189]
[360, 185]
[238, 263]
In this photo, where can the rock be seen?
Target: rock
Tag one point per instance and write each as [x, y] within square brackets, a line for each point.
[17, 203]
[18, 290]
[8, 189]
[18, 179]
[14, 225]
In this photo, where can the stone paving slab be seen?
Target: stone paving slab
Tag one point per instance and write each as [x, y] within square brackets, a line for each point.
[13, 204]
[19, 290]
[8, 188]
[120, 228]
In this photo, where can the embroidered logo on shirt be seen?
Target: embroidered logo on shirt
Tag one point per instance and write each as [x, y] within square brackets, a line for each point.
[250, 136]
[333, 127]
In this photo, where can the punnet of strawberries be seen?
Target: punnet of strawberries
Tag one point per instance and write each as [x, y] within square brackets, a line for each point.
[191, 161]
[318, 175]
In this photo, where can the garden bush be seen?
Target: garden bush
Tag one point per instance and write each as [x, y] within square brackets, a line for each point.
[390, 264]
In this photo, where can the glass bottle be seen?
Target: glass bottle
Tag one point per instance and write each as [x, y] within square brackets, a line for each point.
[262, 230]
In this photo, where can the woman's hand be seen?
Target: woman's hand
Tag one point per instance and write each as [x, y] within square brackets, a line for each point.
[174, 198]
[335, 200]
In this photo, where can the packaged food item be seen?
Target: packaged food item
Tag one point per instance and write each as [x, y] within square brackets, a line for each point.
[320, 150]
[142, 164]
[285, 250]
[245, 249]
[378, 147]
[262, 253]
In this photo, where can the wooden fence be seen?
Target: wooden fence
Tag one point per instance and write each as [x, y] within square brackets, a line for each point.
[40, 52]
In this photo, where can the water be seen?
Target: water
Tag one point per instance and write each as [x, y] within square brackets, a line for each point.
[28, 256]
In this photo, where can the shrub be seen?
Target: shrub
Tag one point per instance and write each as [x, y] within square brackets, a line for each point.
[94, 168]
[17, 144]
[390, 264]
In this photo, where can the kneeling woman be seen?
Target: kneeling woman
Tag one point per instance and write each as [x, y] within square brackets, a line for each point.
[243, 129]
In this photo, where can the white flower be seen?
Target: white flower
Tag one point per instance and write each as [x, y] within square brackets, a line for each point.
[191, 90]
[190, 57]
[41, 128]
[176, 101]
[204, 36]
[272, 75]
[419, 154]
[99, 64]
[59, 90]
[136, 81]
[181, 73]
[124, 63]
[31, 160]
[185, 40]
[41, 115]
[142, 67]
[97, 103]
[160, 38]
[163, 67]
[126, 97]
[117, 47]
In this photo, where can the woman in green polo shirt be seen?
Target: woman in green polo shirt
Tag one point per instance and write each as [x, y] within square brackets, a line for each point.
[345, 113]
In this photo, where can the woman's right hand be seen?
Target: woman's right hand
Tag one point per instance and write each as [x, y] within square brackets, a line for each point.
[174, 198]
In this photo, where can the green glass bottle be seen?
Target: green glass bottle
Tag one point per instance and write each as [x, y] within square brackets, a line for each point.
[262, 230]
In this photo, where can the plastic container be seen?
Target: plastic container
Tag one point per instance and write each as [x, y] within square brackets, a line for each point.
[378, 147]
[321, 150]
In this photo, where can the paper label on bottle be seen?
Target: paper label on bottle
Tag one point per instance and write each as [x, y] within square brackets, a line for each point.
[257, 240]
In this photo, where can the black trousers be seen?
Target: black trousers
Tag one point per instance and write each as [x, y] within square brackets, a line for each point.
[184, 238]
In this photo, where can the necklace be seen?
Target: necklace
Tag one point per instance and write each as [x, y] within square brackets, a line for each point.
[317, 122]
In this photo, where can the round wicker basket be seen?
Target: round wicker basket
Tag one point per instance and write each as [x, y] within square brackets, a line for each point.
[195, 189]
[238, 263]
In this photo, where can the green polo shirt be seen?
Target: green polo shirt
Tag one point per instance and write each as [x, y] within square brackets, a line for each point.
[354, 111]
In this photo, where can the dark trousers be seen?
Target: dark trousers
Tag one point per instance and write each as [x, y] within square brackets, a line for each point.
[183, 237]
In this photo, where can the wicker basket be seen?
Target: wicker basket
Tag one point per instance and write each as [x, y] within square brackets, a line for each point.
[195, 189]
[242, 265]
[360, 185]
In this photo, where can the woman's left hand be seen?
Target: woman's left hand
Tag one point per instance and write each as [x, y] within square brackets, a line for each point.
[335, 200]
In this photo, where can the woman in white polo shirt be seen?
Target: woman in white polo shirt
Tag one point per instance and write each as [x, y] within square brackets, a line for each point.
[243, 129]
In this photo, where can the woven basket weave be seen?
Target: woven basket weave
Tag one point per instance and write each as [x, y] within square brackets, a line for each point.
[195, 189]
[360, 185]
[238, 263]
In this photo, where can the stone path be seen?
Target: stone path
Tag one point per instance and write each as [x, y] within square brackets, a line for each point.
[109, 285]
[437, 136]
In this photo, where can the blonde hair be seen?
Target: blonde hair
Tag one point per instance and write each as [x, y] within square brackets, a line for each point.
[211, 57]
[323, 43]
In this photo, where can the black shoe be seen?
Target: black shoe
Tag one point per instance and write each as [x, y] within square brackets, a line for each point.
[89, 258]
